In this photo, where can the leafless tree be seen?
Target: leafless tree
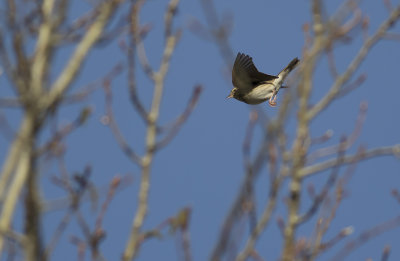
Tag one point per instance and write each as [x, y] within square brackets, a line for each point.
[40, 92]
[295, 162]
[32, 32]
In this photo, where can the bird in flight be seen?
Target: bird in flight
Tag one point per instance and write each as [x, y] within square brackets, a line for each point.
[254, 87]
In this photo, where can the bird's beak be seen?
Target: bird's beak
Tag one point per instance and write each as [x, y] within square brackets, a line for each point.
[230, 96]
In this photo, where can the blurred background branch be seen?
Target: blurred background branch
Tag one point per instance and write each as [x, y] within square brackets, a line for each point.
[295, 171]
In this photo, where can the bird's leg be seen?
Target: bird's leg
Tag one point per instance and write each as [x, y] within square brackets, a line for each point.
[272, 100]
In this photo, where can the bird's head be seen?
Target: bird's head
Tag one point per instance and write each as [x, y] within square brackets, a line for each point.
[233, 93]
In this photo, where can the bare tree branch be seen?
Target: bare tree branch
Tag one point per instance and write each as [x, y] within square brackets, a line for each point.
[358, 59]
[264, 220]
[368, 154]
[326, 151]
[43, 49]
[366, 236]
[135, 30]
[131, 65]
[110, 121]
[22, 164]
[132, 245]
[75, 62]
[177, 124]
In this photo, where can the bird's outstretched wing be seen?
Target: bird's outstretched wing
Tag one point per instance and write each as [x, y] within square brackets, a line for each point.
[245, 74]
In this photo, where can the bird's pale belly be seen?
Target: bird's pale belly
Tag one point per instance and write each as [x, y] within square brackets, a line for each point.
[260, 94]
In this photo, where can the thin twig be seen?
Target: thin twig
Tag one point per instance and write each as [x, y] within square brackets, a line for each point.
[324, 223]
[114, 184]
[110, 121]
[368, 154]
[366, 236]
[248, 137]
[59, 135]
[131, 69]
[385, 253]
[135, 30]
[348, 143]
[174, 129]
[329, 184]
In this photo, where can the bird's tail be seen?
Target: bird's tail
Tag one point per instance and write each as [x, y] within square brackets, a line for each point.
[289, 68]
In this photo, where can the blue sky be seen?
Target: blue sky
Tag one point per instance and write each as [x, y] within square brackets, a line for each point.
[203, 166]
